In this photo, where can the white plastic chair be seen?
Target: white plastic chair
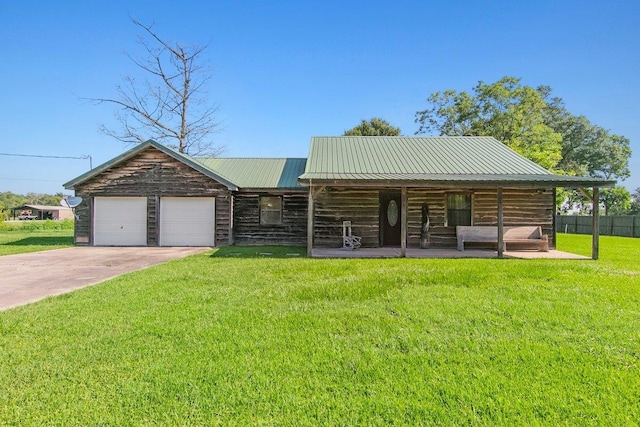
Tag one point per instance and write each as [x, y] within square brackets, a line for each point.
[349, 241]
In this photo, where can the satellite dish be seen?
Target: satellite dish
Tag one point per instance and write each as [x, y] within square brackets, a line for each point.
[71, 202]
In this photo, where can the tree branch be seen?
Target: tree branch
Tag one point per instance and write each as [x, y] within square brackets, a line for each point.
[173, 107]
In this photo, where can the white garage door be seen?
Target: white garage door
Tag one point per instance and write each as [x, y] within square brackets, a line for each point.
[120, 221]
[187, 221]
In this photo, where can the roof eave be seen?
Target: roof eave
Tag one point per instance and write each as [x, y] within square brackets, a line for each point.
[478, 183]
[272, 189]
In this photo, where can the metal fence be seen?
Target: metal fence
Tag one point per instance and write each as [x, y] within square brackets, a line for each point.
[627, 226]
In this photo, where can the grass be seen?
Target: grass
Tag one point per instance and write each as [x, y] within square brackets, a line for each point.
[48, 224]
[236, 337]
[17, 241]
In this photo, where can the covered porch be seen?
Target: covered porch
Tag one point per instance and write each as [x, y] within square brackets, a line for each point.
[489, 204]
[404, 193]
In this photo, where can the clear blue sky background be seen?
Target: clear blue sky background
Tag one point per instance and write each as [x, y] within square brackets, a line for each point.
[289, 70]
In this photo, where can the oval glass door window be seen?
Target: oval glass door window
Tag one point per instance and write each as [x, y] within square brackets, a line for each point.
[392, 213]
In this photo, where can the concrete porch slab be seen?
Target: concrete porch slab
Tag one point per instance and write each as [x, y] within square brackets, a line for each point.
[438, 253]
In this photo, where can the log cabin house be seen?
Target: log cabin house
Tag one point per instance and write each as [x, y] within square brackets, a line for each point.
[406, 192]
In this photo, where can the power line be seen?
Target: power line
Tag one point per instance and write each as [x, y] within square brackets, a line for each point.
[85, 157]
[29, 179]
[48, 157]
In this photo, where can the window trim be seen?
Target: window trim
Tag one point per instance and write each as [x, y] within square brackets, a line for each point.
[446, 205]
[262, 210]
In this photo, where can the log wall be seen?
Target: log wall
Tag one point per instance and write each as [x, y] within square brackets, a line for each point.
[439, 235]
[520, 207]
[152, 174]
[246, 220]
[361, 206]
[334, 205]
[82, 227]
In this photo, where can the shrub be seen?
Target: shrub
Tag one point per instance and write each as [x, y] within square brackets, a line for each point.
[65, 224]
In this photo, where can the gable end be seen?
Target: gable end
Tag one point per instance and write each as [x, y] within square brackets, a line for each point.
[150, 171]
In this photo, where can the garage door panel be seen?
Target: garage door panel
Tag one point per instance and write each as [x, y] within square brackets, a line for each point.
[120, 221]
[187, 221]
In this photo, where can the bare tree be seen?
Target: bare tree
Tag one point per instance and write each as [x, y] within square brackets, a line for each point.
[170, 106]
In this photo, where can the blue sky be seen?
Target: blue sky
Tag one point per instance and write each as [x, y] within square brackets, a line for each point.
[289, 70]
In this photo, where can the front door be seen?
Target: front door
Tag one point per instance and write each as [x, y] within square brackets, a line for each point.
[390, 214]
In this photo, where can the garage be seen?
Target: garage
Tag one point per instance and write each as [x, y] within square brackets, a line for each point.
[120, 221]
[187, 221]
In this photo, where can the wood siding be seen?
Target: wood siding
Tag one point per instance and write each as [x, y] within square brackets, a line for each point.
[82, 228]
[246, 219]
[334, 205]
[361, 206]
[521, 207]
[440, 236]
[153, 206]
[152, 174]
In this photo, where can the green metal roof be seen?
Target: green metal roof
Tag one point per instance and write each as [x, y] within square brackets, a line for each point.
[373, 160]
[233, 173]
[257, 172]
[434, 159]
[415, 155]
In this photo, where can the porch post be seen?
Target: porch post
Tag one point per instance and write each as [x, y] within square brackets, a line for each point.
[403, 222]
[310, 222]
[595, 223]
[500, 224]
[231, 233]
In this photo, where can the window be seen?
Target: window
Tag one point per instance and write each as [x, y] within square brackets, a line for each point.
[458, 209]
[270, 210]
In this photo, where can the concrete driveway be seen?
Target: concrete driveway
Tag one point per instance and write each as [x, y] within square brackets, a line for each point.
[26, 278]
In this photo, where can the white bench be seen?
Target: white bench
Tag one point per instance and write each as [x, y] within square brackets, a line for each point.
[525, 235]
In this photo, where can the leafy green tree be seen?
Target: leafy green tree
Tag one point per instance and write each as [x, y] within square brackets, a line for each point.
[50, 199]
[11, 200]
[43, 199]
[506, 110]
[616, 201]
[613, 201]
[635, 203]
[373, 127]
[4, 212]
[32, 198]
[539, 127]
[588, 149]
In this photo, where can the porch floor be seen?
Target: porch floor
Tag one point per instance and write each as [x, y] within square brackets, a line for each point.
[439, 253]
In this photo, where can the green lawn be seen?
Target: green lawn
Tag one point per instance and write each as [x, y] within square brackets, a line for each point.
[18, 241]
[238, 337]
